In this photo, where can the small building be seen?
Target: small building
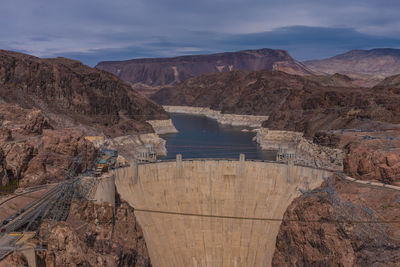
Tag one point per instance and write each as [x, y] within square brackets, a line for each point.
[147, 154]
[285, 154]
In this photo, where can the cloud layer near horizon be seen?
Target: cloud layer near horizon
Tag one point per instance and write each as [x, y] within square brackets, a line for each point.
[96, 30]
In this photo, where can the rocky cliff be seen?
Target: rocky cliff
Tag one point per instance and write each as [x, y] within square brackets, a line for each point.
[158, 72]
[95, 236]
[72, 94]
[374, 159]
[367, 67]
[33, 152]
[292, 102]
[341, 224]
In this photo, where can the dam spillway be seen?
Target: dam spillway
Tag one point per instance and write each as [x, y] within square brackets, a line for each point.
[212, 212]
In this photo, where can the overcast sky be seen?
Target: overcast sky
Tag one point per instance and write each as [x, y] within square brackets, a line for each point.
[96, 30]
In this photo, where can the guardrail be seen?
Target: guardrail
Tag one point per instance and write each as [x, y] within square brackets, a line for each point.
[338, 173]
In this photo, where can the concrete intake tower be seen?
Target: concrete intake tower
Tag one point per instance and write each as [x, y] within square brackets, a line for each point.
[212, 212]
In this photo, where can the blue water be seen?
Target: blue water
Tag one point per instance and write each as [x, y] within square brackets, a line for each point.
[201, 137]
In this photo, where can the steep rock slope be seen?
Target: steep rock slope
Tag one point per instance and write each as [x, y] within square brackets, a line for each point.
[367, 66]
[292, 102]
[72, 94]
[340, 224]
[169, 71]
[95, 235]
[33, 152]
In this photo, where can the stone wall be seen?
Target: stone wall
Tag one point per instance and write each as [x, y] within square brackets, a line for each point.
[230, 119]
[212, 213]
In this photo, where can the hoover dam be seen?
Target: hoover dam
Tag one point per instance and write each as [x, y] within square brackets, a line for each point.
[209, 212]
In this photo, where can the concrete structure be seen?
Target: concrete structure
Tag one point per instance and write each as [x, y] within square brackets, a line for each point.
[285, 154]
[104, 189]
[147, 154]
[212, 212]
[28, 248]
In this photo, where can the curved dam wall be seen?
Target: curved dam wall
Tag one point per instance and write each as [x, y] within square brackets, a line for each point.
[212, 212]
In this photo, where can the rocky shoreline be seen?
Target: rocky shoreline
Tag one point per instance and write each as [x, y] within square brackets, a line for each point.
[129, 145]
[252, 121]
[271, 139]
[163, 126]
[307, 152]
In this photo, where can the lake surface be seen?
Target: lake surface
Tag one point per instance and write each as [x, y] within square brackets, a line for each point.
[201, 137]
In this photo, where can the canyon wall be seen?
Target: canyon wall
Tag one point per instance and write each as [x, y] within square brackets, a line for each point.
[347, 224]
[72, 94]
[212, 213]
[230, 119]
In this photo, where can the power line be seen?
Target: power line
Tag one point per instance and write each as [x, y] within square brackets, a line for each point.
[260, 219]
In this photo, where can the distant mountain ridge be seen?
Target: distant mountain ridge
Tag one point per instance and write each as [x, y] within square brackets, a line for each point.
[368, 66]
[170, 71]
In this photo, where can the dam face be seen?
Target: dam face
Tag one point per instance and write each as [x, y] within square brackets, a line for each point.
[212, 212]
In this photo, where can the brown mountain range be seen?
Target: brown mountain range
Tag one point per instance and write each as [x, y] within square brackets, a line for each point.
[155, 72]
[367, 67]
[292, 102]
[73, 94]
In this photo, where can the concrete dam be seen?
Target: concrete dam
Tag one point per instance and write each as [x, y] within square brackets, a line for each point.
[212, 212]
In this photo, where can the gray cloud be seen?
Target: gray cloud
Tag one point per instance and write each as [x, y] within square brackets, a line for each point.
[94, 30]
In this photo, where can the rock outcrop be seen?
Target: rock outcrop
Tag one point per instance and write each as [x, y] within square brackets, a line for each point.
[374, 160]
[340, 224]
[94, 236]
[366, 67]
[314, 155]
[14, 260]
[74, 95]
[158, 72]
[33, 153]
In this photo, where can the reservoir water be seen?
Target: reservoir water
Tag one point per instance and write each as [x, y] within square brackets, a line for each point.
[201, 137]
